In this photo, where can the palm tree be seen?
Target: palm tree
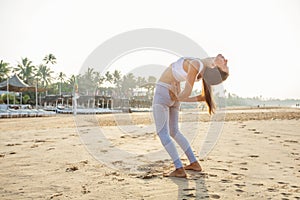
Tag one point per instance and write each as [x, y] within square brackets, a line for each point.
[50, 58]
[98, 80]
[108, 77]
[72, 84]
[4, 70]
[87, 82]
[140, 81]
[117, 81]
[25, 70]
[116, 77]
[128, 83]
[61, 77]
[44, 74]
[89, 74]
[152, 79]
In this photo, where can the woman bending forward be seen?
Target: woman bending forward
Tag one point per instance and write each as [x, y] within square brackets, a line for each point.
[168, 96]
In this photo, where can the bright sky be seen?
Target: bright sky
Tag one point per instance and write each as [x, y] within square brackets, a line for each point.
[260, 38]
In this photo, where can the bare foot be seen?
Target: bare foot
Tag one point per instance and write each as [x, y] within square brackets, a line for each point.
[194, 166]
[180, 173]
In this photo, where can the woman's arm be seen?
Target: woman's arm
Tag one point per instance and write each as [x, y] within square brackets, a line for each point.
[193, 66]
[197, 98]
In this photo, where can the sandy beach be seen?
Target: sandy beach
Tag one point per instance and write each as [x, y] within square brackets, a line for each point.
[119, 156]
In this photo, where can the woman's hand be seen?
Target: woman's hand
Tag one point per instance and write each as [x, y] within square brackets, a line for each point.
[173, 96]
[221, 62]
[174, 91]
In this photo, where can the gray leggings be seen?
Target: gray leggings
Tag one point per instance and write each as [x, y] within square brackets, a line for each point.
[165, 113]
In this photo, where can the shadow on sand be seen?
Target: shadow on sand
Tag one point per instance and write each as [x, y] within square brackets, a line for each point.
[192, 187]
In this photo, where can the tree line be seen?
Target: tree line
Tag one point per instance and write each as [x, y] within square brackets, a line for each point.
[91, 82]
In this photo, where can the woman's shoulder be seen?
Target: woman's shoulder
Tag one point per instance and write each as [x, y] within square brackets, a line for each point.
[192, 60]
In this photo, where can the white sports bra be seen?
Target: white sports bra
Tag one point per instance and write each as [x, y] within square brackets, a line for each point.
[178, 71]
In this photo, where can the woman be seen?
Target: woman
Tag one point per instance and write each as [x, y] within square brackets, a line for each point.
[167, 96]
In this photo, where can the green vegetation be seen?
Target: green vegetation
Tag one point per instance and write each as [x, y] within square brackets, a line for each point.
[4, 70]
[90, 83]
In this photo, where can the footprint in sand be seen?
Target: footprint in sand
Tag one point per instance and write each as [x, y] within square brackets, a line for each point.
[117, 162]
[239, 185]
[255, 131]
[238, 176]
[215, 196]
[243, 126]
[85, 190]
[220, 169]
[11, 145]
[243, 168]
[258, 184]
[212, 175]
[291, 141]
[188, 189]
[254, 156]
[235, 174]
[190, 195]
[281, 182]
[239, 190]
[56, 195]
[39, 141]
[272, 190]
[84, 162]
[72, 169]
[241, 177]
[226, 181]
[34, 146]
